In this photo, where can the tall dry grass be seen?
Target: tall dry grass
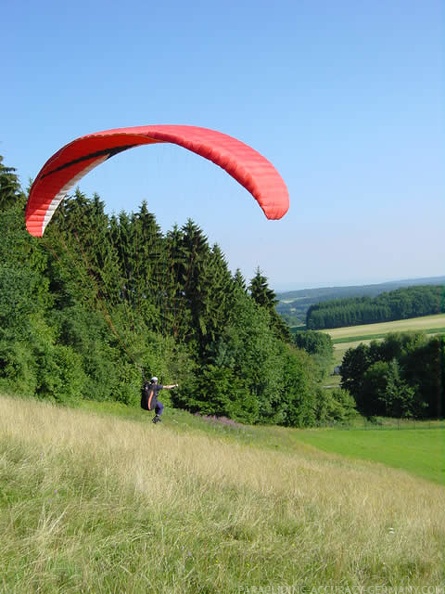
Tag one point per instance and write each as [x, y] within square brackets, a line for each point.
[97, 504]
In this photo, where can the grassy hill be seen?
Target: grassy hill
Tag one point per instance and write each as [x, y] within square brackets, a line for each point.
[96, 502]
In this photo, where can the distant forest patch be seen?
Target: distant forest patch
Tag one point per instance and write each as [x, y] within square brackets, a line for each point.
[401, 304]
[294, 305]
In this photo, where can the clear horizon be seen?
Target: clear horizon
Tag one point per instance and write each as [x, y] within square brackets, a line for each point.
[364, 284]
[344, 98]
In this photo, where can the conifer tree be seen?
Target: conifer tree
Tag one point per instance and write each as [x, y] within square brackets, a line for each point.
[10, 189]
[266, 298]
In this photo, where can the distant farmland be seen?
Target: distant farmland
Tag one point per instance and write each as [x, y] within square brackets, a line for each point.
[351, 336]
[293, 305]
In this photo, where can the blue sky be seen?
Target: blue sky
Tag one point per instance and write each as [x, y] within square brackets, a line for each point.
[344, 97]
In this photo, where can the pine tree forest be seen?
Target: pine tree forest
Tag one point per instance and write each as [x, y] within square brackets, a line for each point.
[102, 302]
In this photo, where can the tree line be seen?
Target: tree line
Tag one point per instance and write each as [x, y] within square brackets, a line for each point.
[293, 305]
[402, 376]
[103, 301]
[409, 302]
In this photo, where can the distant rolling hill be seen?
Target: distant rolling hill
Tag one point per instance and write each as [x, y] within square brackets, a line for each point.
[293, 305]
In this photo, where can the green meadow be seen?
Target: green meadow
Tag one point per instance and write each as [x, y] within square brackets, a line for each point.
[418, 450]
[428, 324]
[98, 499]
[351, 336]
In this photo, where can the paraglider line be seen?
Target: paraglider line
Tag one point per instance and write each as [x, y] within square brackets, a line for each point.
[96, 155]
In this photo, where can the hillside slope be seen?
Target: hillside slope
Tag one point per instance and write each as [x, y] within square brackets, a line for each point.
[94, 503]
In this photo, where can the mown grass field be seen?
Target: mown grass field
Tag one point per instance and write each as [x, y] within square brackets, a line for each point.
[96, 502]
[419, 449]
[429, 324]
[351, 336]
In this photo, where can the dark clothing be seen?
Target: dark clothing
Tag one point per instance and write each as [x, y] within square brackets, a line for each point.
[149, 398]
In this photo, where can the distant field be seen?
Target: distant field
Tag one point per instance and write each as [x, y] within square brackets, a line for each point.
[351, 336]
[430, 324]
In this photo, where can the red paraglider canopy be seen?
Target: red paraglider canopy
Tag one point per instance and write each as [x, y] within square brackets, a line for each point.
[68, 165]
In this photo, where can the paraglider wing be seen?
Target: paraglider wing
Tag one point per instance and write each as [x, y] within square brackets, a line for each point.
[68, 165]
